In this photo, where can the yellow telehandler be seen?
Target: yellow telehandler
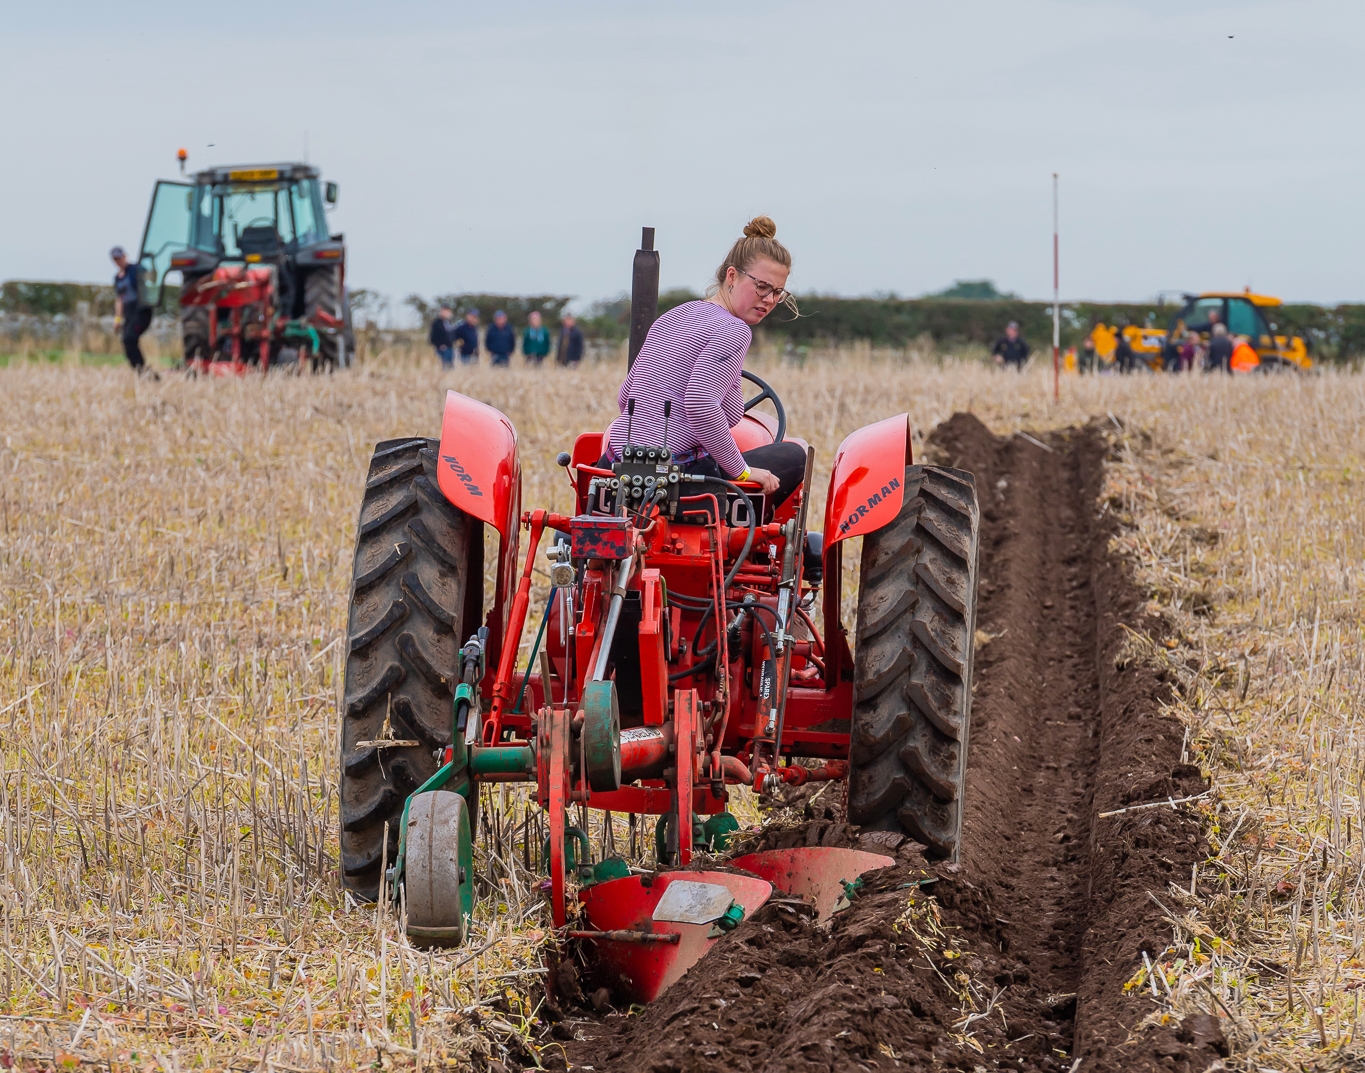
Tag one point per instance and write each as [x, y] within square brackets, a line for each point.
[1244, 313]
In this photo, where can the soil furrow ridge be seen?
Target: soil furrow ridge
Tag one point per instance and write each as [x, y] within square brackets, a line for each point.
[1017, 959]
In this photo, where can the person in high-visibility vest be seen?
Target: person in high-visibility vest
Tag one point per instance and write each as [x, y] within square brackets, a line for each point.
[1244, 357]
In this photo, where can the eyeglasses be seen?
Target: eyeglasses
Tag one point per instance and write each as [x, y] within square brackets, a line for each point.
[765, 289]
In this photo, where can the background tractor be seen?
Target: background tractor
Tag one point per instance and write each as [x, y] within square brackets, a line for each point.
[681, 658]
[263, 280]
[1245, 314]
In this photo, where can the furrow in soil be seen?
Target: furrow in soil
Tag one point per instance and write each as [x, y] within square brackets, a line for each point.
[1018, 957]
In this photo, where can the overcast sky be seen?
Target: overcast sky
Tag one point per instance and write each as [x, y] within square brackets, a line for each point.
[518, 147]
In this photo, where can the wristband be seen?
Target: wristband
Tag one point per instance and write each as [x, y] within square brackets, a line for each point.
[743, 476]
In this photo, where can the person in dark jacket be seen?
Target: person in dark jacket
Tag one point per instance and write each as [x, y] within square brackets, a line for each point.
[500, 340]
[442, 337]
[1124, 358]
[1010, 349]
[569, 349]
[131, 317]
[1221, 347]
[467, 337]
[1085, 359]
[535, 340]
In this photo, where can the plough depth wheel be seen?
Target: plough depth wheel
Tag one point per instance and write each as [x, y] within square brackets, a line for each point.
[439, 870]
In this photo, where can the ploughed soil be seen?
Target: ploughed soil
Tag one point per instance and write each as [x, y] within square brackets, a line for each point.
[1015, 958]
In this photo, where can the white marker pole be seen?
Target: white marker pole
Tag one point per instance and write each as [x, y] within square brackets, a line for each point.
[1056, 303]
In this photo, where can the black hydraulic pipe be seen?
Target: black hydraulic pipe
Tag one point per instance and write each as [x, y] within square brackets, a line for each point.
[644, 292]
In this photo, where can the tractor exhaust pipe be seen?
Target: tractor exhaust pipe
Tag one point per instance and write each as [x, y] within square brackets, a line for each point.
[644, 293]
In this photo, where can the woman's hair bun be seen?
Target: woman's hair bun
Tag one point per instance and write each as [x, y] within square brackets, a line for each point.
[760, 227]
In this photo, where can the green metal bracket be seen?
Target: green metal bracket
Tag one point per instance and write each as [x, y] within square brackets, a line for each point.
[487, 760]
[301, 329]
[454, 776]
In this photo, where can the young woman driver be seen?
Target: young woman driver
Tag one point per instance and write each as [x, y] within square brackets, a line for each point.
[693, 356]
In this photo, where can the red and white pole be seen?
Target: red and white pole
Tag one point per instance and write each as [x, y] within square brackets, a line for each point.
[1056, 304]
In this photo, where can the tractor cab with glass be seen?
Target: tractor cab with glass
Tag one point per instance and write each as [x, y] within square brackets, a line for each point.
[263, 280]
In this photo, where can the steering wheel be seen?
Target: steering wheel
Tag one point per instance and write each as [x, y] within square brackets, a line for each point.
[767, 393]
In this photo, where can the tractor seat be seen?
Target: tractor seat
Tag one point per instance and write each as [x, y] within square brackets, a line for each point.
[264, 241]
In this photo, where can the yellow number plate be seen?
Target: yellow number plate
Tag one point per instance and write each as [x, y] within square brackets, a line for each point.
[254, 175]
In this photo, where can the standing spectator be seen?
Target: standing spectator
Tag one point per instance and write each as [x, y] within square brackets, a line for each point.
[569, 349]
[1220, 350]
[467, 337]
[131, 317]
[442, 337]
[1124, 357]
[1244, 358]
[1085, 360]
[1189, 351]
[1010, 349]
[535, 340]
[500, 340]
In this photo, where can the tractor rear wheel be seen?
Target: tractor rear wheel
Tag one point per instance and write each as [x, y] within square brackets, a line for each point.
[322, 290]
[194, 332]
[417, 586]
[916, 631]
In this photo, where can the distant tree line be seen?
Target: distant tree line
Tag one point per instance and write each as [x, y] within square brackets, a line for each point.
[516, 306]
[19, 297]
[978, 316]
[1332, 332]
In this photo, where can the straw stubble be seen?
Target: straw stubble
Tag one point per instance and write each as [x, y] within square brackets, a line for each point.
[174, 568]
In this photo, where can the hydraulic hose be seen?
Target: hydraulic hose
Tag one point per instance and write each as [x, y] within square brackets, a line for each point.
[748, 537]
[530, 663]
[709, 650]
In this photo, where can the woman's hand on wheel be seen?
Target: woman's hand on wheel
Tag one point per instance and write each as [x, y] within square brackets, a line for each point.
[765, 478]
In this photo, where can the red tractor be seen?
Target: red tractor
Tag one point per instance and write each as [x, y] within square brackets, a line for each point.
[693, 644]
[263, 279]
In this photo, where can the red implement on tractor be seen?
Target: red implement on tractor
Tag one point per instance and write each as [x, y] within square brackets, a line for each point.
[688, 650]
[248, 299]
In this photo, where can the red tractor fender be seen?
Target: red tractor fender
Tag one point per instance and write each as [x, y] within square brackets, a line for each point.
[866, 486]
[480, 473]
[866, 491]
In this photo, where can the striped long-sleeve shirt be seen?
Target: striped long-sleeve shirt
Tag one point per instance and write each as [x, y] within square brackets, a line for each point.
[693, 355]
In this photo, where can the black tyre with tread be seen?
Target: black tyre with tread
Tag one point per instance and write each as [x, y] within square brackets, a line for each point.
[322, 290]
[916, 636]
[194, 329]
[417, 590]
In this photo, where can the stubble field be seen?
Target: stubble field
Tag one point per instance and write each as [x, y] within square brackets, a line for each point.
[174, 568]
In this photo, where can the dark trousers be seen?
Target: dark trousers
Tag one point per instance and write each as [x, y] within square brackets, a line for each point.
[785, 461]
[499, 359]
[133, 327]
